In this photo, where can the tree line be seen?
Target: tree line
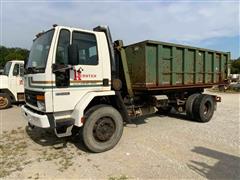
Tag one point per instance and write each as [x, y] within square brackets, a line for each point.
[235, 66]
[7, 54]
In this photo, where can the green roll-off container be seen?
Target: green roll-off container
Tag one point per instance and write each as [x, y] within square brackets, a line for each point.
[157, 65]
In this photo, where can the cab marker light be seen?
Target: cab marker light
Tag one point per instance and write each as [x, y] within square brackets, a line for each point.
[82, 120]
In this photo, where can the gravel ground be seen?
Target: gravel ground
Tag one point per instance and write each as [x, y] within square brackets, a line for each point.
[158, 147]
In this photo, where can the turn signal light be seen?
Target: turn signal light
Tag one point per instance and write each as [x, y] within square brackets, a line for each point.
[40, 97]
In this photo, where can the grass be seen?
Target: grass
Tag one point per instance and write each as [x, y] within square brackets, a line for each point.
[63, 158]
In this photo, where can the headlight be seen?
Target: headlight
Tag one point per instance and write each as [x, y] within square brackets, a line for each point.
[41, 105]
[41, 102]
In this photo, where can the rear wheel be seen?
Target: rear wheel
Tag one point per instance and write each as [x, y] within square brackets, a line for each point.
[5, 101]
[103, 128]
[203, 108]
[189, 105]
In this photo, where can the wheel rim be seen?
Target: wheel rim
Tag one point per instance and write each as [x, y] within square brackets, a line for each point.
[3, 102]
[206, 109]
[104, 129]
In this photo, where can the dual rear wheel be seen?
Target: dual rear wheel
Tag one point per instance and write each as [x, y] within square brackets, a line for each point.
[200, 107]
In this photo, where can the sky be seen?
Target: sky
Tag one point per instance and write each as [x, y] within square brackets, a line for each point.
[208, 24]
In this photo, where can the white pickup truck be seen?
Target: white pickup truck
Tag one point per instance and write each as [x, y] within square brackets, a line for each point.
[11, 84]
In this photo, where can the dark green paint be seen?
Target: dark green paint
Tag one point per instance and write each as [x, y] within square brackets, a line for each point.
[157, 64]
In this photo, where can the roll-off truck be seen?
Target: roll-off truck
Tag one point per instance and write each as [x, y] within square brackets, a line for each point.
[81, 81]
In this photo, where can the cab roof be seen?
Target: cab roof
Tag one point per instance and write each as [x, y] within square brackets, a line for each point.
[17, 61]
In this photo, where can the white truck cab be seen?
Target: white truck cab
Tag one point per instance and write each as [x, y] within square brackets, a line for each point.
[11, 83]
[61, 81]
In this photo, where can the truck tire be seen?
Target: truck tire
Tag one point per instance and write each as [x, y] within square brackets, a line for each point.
[5, 101]
[189, 105]
[203, 108]
[102, 129]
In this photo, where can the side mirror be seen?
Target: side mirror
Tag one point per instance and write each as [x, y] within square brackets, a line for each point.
[73, 54]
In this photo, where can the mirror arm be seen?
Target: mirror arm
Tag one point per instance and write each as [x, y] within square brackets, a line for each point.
[55, 69]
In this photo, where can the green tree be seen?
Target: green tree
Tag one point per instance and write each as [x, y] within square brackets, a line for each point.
[7, 54]
[235, 66]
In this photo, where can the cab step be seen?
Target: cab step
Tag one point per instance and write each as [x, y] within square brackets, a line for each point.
[64, 127]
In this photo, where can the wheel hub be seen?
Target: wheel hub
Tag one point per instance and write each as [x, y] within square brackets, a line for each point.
[104, 128]
[206, 108]
[3, 102]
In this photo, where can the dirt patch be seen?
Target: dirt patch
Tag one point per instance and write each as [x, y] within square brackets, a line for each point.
[17, 151]
[13, 152]
[62, 158]
[159, 147]
[122, 177]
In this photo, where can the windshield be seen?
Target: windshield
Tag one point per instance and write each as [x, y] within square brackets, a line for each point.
[7, 68]
[39, 52]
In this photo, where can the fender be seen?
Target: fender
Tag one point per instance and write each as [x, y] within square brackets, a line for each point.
[78, 111]
[7, 91]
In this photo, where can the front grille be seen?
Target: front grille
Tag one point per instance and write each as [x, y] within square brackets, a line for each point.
[30, 97]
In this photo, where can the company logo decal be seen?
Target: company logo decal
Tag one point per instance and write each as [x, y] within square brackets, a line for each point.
[78, 74]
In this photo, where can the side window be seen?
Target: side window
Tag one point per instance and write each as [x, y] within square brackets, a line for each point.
[16, 70]
[62, 48]
[87, 45]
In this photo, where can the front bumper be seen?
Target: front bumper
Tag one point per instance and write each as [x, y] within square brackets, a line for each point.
[34, 118]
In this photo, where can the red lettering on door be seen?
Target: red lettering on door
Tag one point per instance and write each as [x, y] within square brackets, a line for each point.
[77, 75]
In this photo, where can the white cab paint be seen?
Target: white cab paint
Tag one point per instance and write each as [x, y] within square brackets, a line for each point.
[70, 102]
[11, 82]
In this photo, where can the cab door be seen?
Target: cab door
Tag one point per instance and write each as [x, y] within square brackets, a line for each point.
[88, 72]
[16, 80]
[72, 84]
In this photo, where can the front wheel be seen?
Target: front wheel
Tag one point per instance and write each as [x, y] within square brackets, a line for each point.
[102, 129]
[5, 101]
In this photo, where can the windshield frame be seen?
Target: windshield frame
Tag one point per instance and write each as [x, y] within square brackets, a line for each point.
[29, 68]
[7, 68]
